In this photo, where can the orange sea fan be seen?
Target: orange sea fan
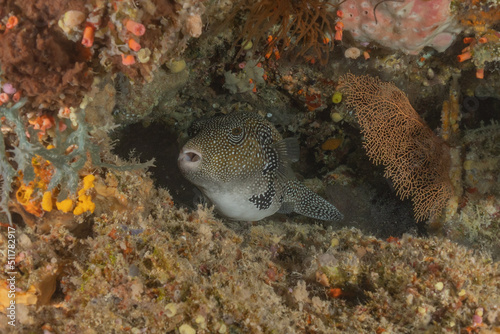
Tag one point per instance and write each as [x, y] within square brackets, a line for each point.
[415, 159]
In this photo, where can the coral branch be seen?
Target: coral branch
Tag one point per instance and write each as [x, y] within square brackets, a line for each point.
[305, 26]
[67, 158]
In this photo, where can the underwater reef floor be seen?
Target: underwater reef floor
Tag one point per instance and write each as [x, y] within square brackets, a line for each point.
[159, 269]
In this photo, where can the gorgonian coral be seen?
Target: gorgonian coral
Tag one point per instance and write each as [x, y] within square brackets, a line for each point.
[305, 26]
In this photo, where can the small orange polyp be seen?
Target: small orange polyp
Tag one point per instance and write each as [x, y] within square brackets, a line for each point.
[468, 40]
[480, 73]
[277, 54]
[335, 292]
[464, 56]
[88, 36]
[135, 28]
[17, 96]
[133, 45]
[12, 22]
[338, 35]
[128, 60]
[338, 31]
[4, 97]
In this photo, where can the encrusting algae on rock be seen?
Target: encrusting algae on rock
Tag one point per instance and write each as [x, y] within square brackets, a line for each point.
[137, 271]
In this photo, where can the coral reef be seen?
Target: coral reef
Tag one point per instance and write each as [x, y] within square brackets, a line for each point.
[160, 269]
[476, 220]
[306, 26]
[43, 64]
[51, 168]
[137, 102]
[53, 50]
[250, 76]
[483, 51]
[92, 242]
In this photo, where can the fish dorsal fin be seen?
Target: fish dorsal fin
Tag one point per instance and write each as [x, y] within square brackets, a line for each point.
[308, 203]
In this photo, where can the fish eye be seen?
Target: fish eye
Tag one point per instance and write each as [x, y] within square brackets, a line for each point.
[236, 131]
[236, 136]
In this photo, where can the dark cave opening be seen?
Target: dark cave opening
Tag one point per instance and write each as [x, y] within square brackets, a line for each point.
[372, 206]
[157, 141]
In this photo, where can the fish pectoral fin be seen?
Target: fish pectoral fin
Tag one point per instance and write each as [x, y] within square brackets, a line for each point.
[288, 149]
[286, 208]
[310, 204]
[199, 198]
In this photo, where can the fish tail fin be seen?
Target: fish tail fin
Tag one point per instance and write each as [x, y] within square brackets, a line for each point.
[307, 203]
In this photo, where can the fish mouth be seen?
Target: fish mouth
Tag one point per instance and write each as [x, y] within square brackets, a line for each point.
[189, 159]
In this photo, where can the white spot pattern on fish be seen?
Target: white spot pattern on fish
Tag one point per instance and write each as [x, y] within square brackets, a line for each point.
[241, 164]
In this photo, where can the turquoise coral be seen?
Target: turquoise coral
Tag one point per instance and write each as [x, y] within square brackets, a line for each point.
[67, 166]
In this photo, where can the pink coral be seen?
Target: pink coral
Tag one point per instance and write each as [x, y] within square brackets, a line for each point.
[408, 26]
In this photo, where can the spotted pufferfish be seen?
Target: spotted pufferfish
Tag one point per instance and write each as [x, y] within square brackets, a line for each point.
[242, 165]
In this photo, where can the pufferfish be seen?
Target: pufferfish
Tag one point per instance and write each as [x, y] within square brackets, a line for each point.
[242, 165]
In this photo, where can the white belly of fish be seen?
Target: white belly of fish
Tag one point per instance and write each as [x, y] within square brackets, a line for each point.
[237, 206]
